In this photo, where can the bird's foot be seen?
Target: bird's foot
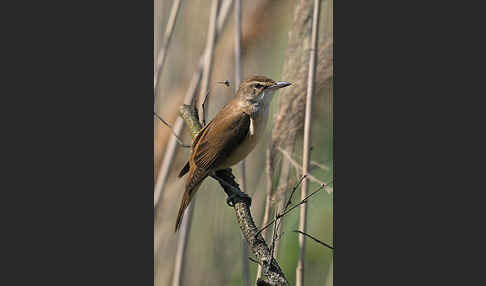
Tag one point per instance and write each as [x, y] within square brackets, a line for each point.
[231, 188]
[238, 196]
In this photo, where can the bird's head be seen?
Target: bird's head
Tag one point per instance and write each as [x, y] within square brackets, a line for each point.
[258, 90]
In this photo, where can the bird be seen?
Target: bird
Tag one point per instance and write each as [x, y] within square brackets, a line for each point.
[230, 136]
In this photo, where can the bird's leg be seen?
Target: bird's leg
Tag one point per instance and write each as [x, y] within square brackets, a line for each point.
[227, 180]
[238, 197]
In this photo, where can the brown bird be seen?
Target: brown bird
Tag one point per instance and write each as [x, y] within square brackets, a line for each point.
[230, 136]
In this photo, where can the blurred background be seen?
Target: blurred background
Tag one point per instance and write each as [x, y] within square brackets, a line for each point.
[213, 249]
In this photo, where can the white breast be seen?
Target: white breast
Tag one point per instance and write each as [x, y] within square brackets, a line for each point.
[258, 122]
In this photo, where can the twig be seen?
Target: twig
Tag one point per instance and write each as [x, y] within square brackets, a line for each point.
[226, 82]
[274, 233]
[182, 244]
[280, 193]
[320, 165]
[172, 130]
[266, 212]
[296, 164]
[307, 136]
[278, 221]
[277, 226]
[238, 69]
[271, 269]
[314, 163]
[189, 98]
[204, 109]
[269, 188]
[315, 239]
[284, 179]
[293, 207]
[245, 266]
[293, 191]
[208, 61]
[174, 11]
[204, 102]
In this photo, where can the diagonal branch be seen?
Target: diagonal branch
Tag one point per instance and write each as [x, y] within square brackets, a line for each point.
[179, 140]
[315, 239]
[271, 270]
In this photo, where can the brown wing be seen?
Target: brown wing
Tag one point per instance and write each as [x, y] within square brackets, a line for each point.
[185, 169]
[220, 137]
[212, 145]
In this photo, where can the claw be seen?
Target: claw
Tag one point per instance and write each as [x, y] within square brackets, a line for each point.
[238, 197]
[229, 201]
[225, 177]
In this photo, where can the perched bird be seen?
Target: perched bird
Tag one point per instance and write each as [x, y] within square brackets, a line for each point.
[230, 136]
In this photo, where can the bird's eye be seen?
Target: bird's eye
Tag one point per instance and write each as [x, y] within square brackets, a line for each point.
[258, 86]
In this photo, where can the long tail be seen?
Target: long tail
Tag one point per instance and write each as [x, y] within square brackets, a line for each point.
[186, 199]
[184, 170]
[194, 180]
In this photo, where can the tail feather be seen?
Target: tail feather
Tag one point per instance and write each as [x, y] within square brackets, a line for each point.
[195, 177]
[186, 199]
[184, 170]
[194, 180]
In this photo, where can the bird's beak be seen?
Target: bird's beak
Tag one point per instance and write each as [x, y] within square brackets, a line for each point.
[280, 84]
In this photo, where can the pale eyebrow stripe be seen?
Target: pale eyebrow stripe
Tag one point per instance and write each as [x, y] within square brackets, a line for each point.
[261, 82]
